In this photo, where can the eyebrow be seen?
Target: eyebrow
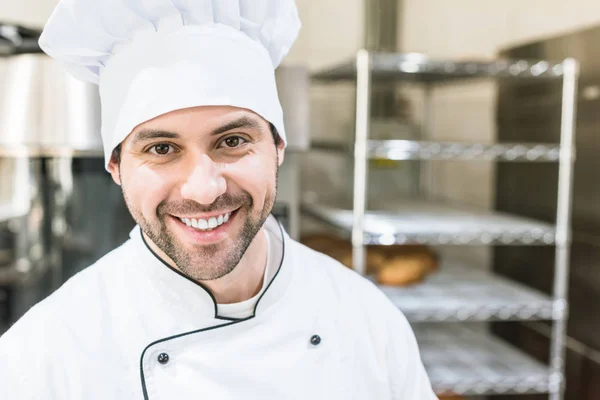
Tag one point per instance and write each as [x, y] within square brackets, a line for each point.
[242, 122]
[149, 134]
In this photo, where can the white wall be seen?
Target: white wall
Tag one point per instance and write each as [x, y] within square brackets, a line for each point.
[471, 28]
[32, 13]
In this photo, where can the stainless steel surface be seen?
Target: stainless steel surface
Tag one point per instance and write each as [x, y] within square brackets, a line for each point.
[460, 360]
[16, 191]
[563, 219]
[417, 67]
[20, 93]
[363, 112]
[422, 150]
[462, 293]
[41, 105]
[70, 110]
[423, 222]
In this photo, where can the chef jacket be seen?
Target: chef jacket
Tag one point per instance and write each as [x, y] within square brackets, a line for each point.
[131, 327]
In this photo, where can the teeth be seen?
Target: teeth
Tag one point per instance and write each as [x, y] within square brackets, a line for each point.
[202, 224]
[206, 224]
[212, 223]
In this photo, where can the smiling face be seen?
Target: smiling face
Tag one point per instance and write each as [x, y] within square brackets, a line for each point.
[200, 182]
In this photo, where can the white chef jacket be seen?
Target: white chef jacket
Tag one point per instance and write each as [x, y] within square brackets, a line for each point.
[131, 327]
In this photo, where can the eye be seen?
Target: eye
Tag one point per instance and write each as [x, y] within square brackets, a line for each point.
[233, 142]
[161, 149]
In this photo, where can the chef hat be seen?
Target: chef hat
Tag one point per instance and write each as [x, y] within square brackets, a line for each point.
[150, 57]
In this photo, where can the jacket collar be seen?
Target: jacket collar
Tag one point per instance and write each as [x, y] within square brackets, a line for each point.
[188, 298]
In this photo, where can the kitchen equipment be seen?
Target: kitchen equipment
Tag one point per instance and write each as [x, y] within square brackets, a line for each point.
[459, 360]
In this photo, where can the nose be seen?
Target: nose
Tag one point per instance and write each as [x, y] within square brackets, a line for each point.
[205, 182]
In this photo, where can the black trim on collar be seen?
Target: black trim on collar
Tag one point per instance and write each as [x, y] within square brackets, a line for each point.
[181, 274]
[233, 322]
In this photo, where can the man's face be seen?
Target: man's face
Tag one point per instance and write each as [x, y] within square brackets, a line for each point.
[200, 182]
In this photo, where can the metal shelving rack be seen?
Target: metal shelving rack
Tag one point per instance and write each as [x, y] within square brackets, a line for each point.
[460, 360]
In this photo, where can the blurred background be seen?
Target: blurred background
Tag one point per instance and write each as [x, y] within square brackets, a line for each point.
[431, 149]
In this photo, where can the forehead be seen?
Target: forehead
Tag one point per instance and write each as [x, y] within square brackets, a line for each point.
[205, 119]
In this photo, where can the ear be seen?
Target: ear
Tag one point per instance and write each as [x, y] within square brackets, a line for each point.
[113, 167]
[280, 152]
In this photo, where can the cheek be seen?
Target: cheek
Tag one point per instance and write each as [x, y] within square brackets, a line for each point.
[145, 189]
[252, 174]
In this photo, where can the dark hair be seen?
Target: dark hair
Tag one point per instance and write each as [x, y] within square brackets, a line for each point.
[116, 153]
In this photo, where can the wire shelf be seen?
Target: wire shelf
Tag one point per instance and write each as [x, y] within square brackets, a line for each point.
[417, 67]
[423, 222]
[461, 360]
[416, 150]
[459, 293]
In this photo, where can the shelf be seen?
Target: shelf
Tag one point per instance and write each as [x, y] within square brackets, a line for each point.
[416, 67]
[417, 150]
[463, 361]
[423, 222]
[459, 293]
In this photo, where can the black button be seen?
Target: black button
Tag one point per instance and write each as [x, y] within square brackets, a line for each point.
[163, 358]
[315, 340]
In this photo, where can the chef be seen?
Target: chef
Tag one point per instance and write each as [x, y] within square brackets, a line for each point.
[209, 298]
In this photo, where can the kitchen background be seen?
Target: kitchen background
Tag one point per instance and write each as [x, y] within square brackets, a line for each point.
[479, 110]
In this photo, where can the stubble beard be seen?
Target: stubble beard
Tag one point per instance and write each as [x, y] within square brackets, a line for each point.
[205, 262]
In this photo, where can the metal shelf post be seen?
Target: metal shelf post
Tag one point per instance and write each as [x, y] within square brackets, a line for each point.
[563, 219]
[363, 121]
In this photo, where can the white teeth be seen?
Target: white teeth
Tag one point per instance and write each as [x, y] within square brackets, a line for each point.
[206, 224]
[212, 223]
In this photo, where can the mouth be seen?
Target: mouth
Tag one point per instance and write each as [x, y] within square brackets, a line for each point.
[206, 230]
[208, 224]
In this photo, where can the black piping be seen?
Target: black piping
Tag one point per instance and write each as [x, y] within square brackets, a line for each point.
[233, 322]
[182, 274]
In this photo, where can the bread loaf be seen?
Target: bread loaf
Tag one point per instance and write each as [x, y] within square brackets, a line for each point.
[397, 265]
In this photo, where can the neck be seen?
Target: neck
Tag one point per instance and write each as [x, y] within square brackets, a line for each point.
[241, 284]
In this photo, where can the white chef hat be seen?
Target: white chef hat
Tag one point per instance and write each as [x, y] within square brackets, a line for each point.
[150, 57]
